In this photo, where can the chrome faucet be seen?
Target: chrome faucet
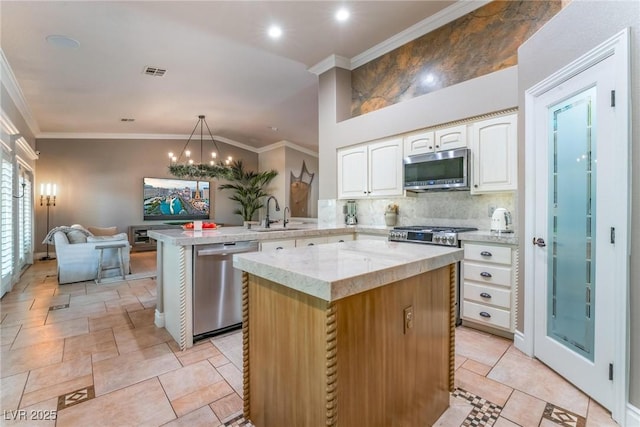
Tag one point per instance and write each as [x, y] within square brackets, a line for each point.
[266, 219]
[284, 216]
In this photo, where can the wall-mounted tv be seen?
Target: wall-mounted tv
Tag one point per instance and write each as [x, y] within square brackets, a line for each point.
[175, 199]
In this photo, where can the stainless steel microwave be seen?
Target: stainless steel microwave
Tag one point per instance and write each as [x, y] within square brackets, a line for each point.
[442, 170]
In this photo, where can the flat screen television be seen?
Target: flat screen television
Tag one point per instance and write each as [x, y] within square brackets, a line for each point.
[175, 199]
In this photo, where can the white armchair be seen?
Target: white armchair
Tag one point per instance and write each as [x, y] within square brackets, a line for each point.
[78, 262]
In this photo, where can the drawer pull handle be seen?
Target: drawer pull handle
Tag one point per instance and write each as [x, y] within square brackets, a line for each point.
[485, 274]
[485, 314]
[485, 253]
[310, 244]
[485, 295]
[279, 247]
[340, 241]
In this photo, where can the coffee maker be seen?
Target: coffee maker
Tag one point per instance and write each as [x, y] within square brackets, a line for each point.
[350, 213]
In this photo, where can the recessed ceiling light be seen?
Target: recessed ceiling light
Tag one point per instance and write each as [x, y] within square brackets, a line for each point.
[275, 32]
[342, 14]
[63, 41]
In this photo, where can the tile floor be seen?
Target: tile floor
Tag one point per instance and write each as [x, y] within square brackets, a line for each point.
[85, 354]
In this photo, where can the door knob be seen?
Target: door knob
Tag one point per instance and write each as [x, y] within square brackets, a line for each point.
[539, 242]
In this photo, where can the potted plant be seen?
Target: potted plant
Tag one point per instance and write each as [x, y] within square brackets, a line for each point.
[248, 188]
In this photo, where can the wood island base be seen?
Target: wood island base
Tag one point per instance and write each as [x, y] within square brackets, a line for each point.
[383, 357]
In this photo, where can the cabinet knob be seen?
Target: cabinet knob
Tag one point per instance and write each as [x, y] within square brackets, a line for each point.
[437, 146]
[485, 253]
[475, 185]
[485, 295]
[485, 314]
[485, 274]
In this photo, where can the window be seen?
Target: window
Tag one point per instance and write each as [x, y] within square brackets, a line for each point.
[6, 221]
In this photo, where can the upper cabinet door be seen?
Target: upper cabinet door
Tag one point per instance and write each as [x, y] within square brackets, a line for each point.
[385, 168]
[451, 137]
[419, 143]
[352, 172]
[494, 145]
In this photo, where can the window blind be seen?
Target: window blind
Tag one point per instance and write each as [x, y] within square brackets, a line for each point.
[6, 219]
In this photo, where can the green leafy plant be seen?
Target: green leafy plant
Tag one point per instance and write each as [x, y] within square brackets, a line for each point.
[248, 188]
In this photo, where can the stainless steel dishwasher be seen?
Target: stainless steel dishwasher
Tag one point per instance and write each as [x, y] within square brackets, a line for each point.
[217, 289]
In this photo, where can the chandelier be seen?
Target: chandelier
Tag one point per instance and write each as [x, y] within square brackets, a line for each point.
[184, 166]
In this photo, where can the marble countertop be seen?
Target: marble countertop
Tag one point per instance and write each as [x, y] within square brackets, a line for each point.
[338, 270]
[180, 237]
[489, 236]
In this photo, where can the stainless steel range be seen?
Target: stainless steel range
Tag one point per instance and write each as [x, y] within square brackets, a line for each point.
[442, 236]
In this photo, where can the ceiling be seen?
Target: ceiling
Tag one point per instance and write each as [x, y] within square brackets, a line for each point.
[218, 59]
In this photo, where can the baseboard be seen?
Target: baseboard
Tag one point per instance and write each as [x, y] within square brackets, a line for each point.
[159, 319]
[633, 416]
[521, 344]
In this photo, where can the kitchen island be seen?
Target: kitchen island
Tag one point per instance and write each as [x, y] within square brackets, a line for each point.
[176, 262]
[352, 333]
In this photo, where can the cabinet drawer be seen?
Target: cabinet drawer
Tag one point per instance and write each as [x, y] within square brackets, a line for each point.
[493, 296]
[339, 238]
[490, 315]
[487, 253]
[277, 244]
[310, 241]
[487, 273]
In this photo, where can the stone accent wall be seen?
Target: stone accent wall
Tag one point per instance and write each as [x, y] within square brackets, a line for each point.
[479, 43]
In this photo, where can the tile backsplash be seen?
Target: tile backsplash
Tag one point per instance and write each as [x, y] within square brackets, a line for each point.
[452, 208]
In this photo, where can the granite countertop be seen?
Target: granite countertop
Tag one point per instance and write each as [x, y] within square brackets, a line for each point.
[178, 237]
[338, 270]
[489, 236]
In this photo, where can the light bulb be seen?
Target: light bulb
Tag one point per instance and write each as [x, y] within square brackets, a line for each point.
[174, 159]
[170, 155]
[227, 161]
[229, 158]
[54, 190]
[211, 162]
[214, 155]
[187, 153]
[190, 161]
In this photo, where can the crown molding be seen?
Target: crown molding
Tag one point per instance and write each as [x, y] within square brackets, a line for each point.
[331, 61]
[10, 82]
[25, 148]
[285, 143]
[88, 135]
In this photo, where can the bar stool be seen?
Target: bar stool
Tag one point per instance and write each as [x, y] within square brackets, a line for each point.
[120, 259]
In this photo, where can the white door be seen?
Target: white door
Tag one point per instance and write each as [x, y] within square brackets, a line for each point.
[576, 194]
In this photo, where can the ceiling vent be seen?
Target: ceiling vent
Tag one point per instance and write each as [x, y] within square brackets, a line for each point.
[154, 71]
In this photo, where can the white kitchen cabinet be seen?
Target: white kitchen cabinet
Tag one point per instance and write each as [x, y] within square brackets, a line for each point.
[338, 238]
[488, 286]
[310, 241]
[430, 141]
[419, 143]
[267, 245]
[372, 170]
[494, 156]
[365, 236]
[450, 138]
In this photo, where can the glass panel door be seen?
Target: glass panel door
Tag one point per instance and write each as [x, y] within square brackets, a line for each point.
[571, 274]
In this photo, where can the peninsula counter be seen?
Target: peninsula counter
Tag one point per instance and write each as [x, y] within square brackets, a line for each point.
[352, 333]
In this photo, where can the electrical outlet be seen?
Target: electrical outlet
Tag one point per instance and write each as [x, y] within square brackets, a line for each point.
[408, 318]
[491, 209]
